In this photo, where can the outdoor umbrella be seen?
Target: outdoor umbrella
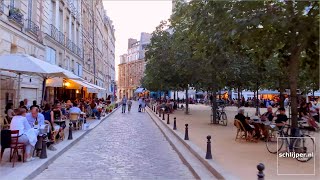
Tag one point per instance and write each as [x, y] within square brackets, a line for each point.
[26, 64]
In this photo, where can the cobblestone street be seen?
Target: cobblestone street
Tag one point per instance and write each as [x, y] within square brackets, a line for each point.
[124, 146]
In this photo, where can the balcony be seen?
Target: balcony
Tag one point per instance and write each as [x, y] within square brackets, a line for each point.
[69, 44]
[32, 27]
[57, 35]
[73, 47]
[1, 7]
[16, 16]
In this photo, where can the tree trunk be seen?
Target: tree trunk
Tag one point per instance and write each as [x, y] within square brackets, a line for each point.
[214, 104]
[239, 97]
[293, 81]
[281, 89]
[257, 101]
[187, 101]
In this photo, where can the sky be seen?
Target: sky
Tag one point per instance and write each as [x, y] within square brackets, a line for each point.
[130, 18]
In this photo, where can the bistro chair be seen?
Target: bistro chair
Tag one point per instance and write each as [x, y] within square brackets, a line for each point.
[74, 118]
[15, 146]
[241, 132]
[5, 140]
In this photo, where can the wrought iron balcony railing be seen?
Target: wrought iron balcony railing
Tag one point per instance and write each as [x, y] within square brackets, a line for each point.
[32, 27]
[15, 15]
[74, 48]
[57, 35]
[69, 44]
[1, 7]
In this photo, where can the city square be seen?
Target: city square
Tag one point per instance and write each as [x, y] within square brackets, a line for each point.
[173, 89]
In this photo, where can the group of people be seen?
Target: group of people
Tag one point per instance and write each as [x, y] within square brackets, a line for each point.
[255, 131]
[25, 118]
[125, 101]
[308, 114]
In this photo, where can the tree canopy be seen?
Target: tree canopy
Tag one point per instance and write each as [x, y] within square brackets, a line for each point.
[239, 45]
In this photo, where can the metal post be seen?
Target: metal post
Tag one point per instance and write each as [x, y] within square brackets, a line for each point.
[159, 114]
[174, 124]
[70, 131]
[43, 154]
[208, 155]
[168, 121]
[186, 135]
[156, 111]
[260, 174]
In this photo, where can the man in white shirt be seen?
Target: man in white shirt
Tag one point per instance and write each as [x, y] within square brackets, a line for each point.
[35, 115]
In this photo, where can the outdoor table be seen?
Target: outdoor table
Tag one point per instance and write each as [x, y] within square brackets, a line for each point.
[60, 122]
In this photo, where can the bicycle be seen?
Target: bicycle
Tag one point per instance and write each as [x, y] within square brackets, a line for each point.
[221, 117]
[277, 138]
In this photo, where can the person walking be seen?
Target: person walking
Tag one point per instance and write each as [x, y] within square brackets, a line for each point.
[140, 104]
[129, 104]
[124, 103]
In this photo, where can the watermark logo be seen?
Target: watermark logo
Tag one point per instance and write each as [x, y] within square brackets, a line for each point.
[292, 151]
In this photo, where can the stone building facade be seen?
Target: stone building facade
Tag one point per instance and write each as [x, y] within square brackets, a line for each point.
[132, 65]
[60, 32]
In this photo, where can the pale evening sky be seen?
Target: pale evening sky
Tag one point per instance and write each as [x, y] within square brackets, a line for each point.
[130, 18]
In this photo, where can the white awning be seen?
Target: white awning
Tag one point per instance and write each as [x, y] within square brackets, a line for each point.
[95, 86]
[83, 84]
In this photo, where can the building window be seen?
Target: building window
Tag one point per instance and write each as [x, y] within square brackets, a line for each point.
[79, 70]
[50, 55]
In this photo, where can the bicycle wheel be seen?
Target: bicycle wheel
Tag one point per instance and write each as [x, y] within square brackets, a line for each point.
[273, 142]
[304, 148]
[224, 118]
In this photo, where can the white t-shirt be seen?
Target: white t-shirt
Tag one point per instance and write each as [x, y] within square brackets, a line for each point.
[20, 123]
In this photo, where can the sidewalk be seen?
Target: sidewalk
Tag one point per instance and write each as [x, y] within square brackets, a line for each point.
[240, 158]
[28, 170]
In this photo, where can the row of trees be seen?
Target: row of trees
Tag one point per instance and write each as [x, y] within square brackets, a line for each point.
[240, 45]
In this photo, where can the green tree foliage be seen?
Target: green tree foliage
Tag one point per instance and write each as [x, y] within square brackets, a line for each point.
[240, 45]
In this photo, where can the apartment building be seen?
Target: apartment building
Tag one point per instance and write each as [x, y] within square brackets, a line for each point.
[76, 35]
[132, 65]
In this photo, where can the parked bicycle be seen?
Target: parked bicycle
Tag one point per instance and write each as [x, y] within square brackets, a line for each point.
[221, 116]
[302, 144]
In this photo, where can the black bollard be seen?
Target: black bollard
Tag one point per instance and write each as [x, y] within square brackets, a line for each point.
[186, 135]
[174, 124]
[163, 116]
[208, 155]
[159, 114]
[156, 112]
[168, 121]
[260, 174]
[43, 154]
[70, 131]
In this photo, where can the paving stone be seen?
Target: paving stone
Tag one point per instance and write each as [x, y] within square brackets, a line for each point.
[125, 146]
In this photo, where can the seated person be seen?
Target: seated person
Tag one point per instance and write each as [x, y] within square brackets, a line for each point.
[20, 122]
[34, 116]
[240, 116]
[75, 110]
[269, 115]
[281, 118]
[304, 113]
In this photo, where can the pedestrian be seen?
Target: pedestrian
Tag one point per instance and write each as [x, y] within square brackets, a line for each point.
[124, 103]
[140, 104]
[129, 104]
[143, 105]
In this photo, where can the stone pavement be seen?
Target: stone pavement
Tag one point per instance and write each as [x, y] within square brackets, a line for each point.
[241, 158]
[125, 146]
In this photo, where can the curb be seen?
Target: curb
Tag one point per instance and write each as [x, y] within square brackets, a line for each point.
[212, 166]
[194, 173]
[53, 158]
